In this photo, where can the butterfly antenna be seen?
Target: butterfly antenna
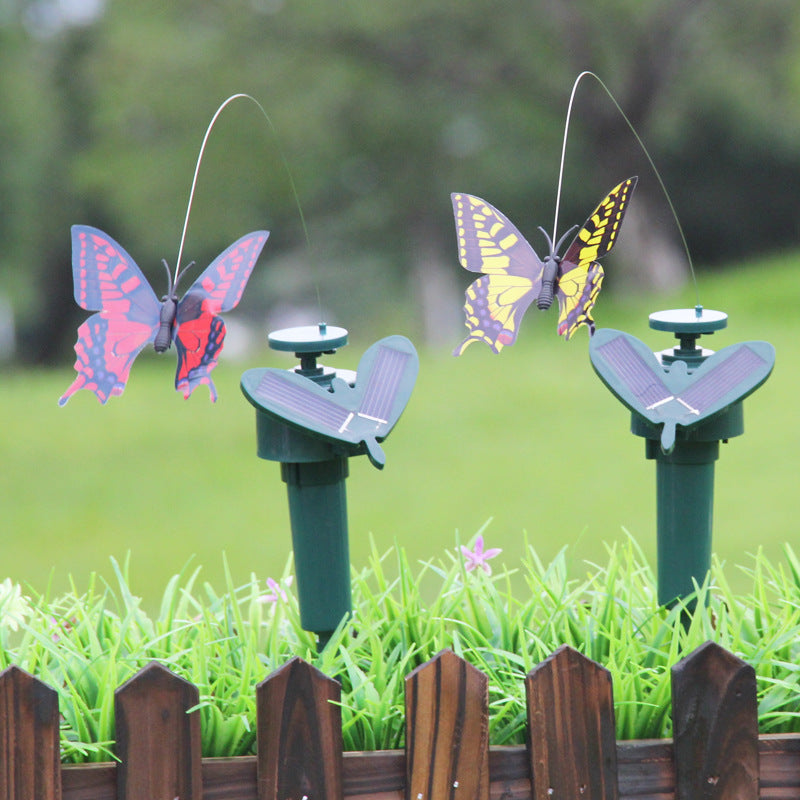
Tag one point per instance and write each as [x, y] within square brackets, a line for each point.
[171, 287]
[284, 161]
[564, 237]
[547, 239]
[590, 74]
[183, 272]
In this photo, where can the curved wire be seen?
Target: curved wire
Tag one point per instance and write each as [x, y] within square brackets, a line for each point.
[589, 73]
[223, 105]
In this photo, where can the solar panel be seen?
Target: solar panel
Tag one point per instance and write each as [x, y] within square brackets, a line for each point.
[723, 377]
[360, 415]
[289, 396]
[671, 395]
[635, 372]
[383, 382]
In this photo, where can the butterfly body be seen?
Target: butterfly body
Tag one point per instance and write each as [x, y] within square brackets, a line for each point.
[166, 323]
[514, 275]
[549, 283]
[130, 316]
[551, 267]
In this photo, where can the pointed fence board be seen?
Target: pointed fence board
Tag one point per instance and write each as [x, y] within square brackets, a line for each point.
[573, 747]
[299, 733]
[715, 726]
[447, 731]
[716, 754]
[158, 742]
[30, 757]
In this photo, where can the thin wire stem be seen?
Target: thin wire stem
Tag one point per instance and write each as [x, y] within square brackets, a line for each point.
[224, 104]
[589, 73]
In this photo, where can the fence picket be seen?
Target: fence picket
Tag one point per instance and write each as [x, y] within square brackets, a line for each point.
[30, 758]
[158, 743]
[573, 748]
[717, 753]
[299, 733]
[715, 726]
[447, 731]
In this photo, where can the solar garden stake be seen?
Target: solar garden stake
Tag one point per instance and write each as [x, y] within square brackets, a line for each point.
[683, 402]
[312, 419]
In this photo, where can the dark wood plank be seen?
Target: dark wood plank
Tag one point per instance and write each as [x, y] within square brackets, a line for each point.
[375, 774]
[573, 749]
[89, 781]
[646, 772]
[779, 766]
[158, 743]
[29, 738]
[299, 730]
[715, 726]
[447, 730]
[230, 778]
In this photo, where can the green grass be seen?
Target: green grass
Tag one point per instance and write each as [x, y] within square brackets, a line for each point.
[530, 439]
[87, 642]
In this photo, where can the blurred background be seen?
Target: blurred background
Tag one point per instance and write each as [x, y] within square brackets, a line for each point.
[380, 110]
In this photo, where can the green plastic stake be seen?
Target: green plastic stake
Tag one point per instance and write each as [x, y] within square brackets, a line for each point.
[312, 419]
[683, 402]
[318, 514]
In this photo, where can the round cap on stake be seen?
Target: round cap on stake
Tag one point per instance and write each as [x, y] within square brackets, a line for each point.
[694, 321]
[688, 325]
[320, 338]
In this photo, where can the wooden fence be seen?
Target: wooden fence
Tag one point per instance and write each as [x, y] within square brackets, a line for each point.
[716, 752]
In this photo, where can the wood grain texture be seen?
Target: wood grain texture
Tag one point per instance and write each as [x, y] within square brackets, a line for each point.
[30, 759]
[447, 731]
[573, 749]
[158, 743]
[646, 772]
[715, 726]
[779, 766]
[89, 781]
[299, 734]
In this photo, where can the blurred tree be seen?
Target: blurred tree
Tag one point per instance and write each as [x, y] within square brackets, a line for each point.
[381, 110]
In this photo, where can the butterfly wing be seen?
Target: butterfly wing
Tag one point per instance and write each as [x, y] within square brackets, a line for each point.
[488, 242]
[106, 279]
[580, 276]
[200, 332]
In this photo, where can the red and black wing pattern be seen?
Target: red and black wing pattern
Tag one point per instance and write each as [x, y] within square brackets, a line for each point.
[106, 279]
[200, 332]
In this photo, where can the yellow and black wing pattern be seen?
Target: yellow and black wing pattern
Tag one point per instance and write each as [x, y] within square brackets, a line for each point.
[488, 242]
[579, 274]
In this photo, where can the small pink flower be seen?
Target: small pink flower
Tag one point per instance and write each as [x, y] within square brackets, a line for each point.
[276, 591]
[478, 557]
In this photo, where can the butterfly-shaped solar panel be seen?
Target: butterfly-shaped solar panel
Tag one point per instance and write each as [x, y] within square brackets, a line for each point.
[354, 417]
[672, 395]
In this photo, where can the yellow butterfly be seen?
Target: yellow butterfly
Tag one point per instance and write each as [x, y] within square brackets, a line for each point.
[514, 276]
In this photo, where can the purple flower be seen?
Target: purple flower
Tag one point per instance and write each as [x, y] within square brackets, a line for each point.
[275, 591]
[478, 557]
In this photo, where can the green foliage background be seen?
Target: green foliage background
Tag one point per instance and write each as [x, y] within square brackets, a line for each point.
[381, 111]
[530, 438]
